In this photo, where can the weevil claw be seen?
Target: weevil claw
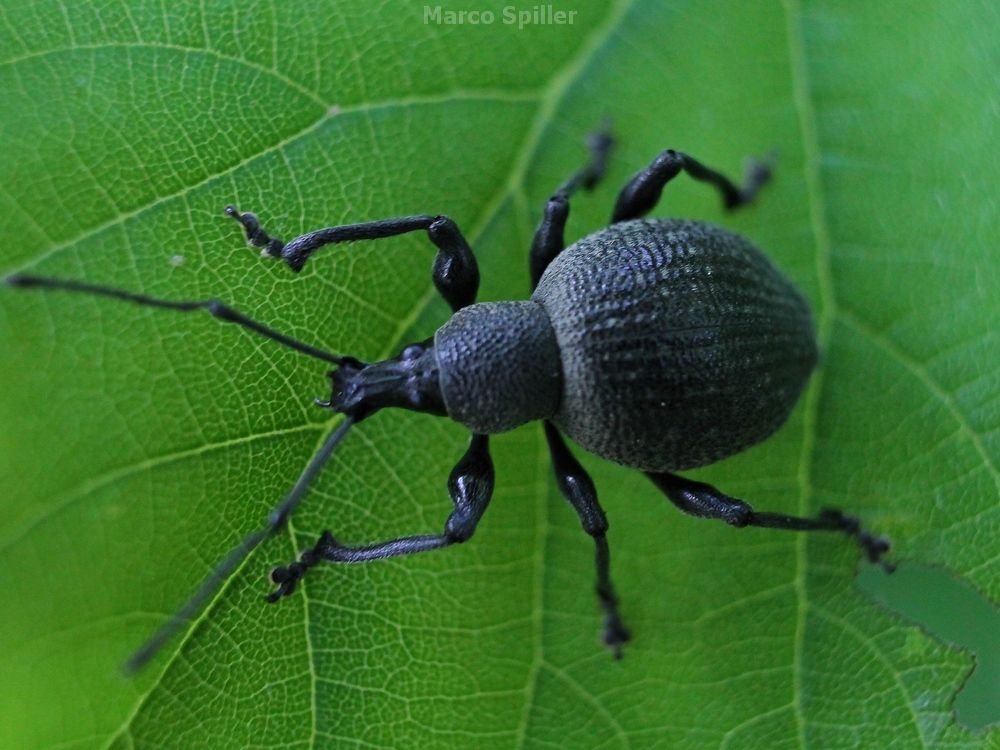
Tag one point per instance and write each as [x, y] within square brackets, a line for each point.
[615, 635]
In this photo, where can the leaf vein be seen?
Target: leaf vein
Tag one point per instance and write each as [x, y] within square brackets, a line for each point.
[922, 374]
[802, 95]
[84, 489]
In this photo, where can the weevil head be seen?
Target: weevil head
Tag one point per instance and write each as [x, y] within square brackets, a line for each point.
[408, 381]
[498, 366]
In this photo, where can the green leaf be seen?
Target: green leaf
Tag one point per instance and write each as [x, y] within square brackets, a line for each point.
[138, 445]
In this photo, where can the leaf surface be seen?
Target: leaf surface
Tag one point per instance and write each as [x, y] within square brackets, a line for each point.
[139, 445]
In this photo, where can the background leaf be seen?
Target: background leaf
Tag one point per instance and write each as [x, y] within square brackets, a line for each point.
[138, 445]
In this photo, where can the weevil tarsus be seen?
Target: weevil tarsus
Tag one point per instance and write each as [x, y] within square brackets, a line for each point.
[222, 572]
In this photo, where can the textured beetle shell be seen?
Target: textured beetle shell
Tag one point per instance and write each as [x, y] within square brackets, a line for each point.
[680, 343]
[498, 365]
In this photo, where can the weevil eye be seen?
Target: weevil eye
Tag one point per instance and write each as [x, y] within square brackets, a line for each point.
[413, 351]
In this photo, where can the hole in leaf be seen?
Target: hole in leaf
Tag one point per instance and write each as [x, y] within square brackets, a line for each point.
[953, 612]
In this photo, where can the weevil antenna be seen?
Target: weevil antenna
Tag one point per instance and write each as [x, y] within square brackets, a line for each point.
[213, 306]
[214, 581]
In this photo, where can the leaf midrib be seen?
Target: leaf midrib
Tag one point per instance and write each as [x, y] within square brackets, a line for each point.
[819, 224]
[802, 96]
[331, 112]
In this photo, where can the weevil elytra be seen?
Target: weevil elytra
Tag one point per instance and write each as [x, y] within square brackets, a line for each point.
[660, 344]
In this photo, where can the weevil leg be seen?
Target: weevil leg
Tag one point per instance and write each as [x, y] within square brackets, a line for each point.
[705, 501]
[549, 238]
[213, 306]
[641, 194]
[455, 271]
[470, 486]
[578, 489]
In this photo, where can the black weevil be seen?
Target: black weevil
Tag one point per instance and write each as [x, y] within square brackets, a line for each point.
[661, 344]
